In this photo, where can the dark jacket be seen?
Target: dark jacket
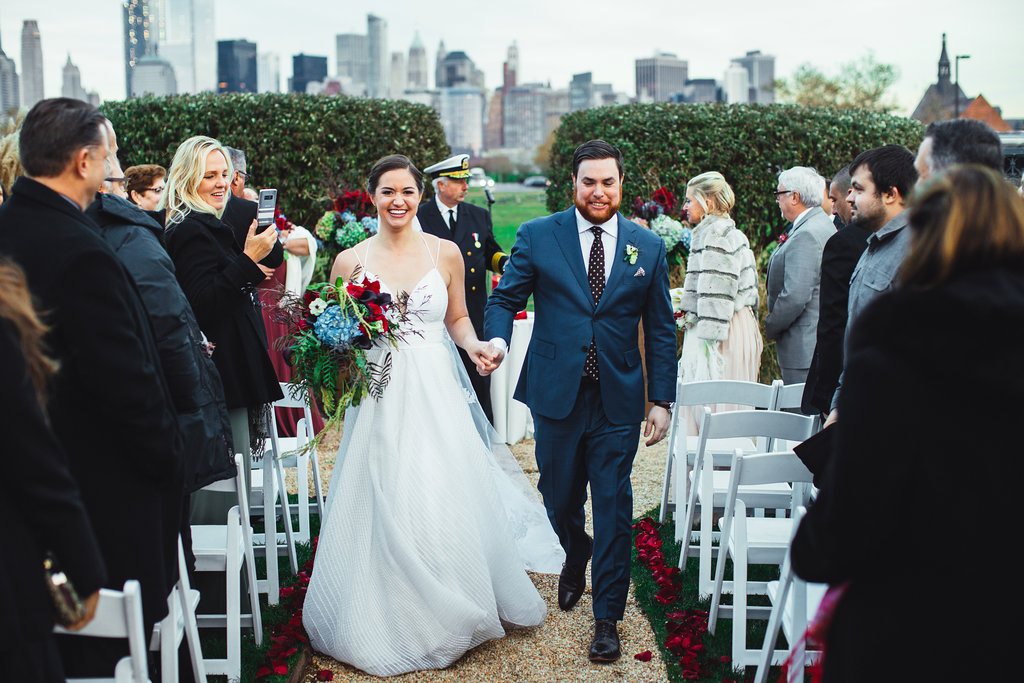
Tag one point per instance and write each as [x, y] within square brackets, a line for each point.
[839, 258]
[239, 213]
[192, 377]
[109, 405]
[40, 506]
[220, 284]
[920, 501]
[480, 251]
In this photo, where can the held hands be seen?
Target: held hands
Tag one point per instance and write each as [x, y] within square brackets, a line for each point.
[487, 357]
[267, 271]
[833, 417]
[258, 246]
[657, 425]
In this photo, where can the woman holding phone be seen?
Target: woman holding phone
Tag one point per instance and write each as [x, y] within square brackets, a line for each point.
[219, 279]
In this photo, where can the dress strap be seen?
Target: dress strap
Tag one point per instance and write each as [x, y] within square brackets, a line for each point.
[366, 256]
[437, 252]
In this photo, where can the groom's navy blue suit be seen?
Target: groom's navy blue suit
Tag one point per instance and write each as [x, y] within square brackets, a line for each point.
[588, 431]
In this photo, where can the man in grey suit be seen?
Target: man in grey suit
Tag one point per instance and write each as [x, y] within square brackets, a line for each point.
[794, 271]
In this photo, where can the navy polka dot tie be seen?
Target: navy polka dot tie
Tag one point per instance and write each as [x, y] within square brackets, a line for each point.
[595, 276]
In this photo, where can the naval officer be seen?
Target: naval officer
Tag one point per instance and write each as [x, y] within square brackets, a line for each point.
[469, 226]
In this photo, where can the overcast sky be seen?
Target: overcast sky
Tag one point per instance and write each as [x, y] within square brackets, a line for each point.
[558, 39]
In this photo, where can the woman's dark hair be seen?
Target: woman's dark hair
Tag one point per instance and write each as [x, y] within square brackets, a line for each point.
[393, 162]
[595, 149]
[54, 131]
[16, 308]
[968, 217]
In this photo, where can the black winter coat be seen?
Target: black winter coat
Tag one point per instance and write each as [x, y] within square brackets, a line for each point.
[109, 405]
[220, 284]
[41, 509]
[919, 508]
[192, 377]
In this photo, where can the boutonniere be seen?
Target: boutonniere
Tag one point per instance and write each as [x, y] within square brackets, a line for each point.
[783, 237]
[630, 253]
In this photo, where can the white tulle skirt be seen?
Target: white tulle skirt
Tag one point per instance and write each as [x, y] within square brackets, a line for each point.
[428, 531]
[737, 357]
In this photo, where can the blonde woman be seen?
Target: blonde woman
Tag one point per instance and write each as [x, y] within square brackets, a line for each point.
[722, 339]
[219, 279]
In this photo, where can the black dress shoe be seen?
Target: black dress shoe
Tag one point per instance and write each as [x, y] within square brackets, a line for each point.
[605, 647]
[572, 582]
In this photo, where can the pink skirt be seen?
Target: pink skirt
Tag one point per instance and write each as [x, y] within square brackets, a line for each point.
[737, 357]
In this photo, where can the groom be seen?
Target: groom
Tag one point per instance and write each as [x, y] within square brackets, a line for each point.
[594, 276]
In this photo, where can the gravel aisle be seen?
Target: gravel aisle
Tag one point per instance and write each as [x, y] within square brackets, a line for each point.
[557, 649]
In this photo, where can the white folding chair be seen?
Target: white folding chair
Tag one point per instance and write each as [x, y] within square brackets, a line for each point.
[680, 444]
[180, 623]
[794, 605]
[228, 548]
[118, 615]
[710, 487]
[753, 540]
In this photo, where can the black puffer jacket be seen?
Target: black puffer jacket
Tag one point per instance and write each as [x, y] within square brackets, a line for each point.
[193, 379]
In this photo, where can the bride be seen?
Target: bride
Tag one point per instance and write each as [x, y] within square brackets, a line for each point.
[430, 523]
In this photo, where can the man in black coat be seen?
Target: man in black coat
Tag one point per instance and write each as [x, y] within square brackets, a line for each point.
[109, 405]
[469, 226]
[838, 259]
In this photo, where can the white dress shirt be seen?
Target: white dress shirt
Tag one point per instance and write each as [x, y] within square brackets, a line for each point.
[444, 209]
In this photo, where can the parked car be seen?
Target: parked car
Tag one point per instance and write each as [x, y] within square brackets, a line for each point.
[478, 178]
[536, 181]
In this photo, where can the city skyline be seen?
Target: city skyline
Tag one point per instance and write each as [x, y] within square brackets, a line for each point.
[548, 51]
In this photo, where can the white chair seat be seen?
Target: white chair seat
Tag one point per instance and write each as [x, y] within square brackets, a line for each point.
[767, 539]
[776, 495]
[210, 546]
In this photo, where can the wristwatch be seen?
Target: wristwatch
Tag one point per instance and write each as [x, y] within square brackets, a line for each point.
[667, 405]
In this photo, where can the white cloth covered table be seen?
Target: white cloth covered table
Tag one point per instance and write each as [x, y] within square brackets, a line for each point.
[512, 419]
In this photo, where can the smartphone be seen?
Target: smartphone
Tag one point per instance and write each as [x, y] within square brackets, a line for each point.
[265, 212]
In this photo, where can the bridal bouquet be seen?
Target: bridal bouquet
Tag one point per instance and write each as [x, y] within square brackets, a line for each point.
[330, 329]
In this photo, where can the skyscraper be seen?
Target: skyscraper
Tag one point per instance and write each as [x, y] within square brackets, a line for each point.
[31, 64]
[268, 72]
[236, 66]
[510, 69]
[185, 36]
[140, 35]
[10, 88]
[353, 62]
[72, 86]
[417, 77]
[458, 69]
[760, 76]
[379, 80]
[438, 61]
[153, 75]
[659, 77]
[736, 84]
[307, 69]
[398, 74]
[462, 117]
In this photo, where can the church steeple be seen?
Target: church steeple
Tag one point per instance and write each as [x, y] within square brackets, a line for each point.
[943, 63]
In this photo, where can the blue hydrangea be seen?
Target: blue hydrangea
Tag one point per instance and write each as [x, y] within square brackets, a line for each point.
[349, 235]
[668, 229]
[370, 224]
[685, 238]
[347, 216]
[336, 329]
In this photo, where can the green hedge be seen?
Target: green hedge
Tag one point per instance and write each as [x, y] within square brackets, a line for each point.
[300, 144]
[667, 144]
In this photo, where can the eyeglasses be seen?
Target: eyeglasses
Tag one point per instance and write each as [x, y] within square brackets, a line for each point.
[155, 190]
[120, 181]
[245, 176]
[779, 193]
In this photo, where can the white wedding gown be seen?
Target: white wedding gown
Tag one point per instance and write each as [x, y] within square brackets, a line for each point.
[429, 524]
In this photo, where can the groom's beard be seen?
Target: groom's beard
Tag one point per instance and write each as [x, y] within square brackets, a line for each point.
[596, 218]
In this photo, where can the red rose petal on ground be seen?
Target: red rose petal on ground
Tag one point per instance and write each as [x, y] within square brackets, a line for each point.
[644, 656]
[281, 670]
[325, 675]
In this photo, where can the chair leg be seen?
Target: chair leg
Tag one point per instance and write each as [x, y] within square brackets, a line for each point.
[169, 638]
[665, 486]
[270, 498]
[302, 478]
[286, 513]
[233, 596]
